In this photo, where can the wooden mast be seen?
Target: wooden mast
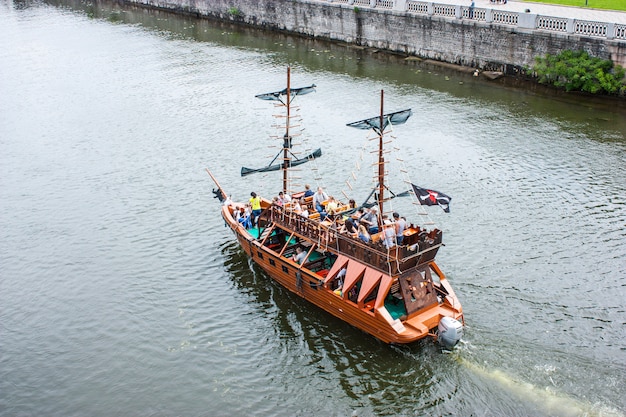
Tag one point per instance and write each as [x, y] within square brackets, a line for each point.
[287, 138]
[381, 162]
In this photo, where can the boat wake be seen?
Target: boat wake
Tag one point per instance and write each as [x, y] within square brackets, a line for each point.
[547, 399]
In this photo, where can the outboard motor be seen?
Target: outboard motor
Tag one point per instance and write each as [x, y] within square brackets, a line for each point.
[450, 332]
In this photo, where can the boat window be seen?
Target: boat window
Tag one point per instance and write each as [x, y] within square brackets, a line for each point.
[272, 262]
[394, 302]
[260, 254]
[369, 301]
[285, 269]
[435, 276]
[353, 293]
[336, 284]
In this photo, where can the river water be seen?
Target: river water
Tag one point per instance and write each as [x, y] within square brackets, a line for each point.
[121, 293]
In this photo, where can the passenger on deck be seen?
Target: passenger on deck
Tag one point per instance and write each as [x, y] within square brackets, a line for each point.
[331, 206]
[307, 191]
[296, 207]
[351, 228]
[358, 216]
[352, 203]
[400, 225]
[277, 201]
[318, 198]
[305, 211]
[299, 256]
[255, 204]
[238, 212]
[363, 234]
[370, 220]
[284, 198]
[389, 235]
[374, 220]
[243, 216]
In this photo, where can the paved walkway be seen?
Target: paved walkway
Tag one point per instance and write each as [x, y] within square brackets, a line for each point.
[581, 13]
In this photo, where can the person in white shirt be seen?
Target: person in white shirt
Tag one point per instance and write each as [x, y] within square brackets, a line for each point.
[284, 198]
[318, 198]
[389, 235]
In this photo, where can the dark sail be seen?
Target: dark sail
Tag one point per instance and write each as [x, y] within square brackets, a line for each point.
[288, 161]
[294, 162]
[275, 96]
[396, 118]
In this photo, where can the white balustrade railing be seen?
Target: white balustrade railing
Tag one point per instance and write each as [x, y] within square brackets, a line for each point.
[505, 18]
[444, 10]
[472, 13]
[548, 23]
[419, 7]
[555, 24]
[591, 28]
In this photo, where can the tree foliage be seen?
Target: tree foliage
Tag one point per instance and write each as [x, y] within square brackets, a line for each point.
[577, 71]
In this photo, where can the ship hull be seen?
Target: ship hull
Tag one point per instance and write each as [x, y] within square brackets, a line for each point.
[314, 288]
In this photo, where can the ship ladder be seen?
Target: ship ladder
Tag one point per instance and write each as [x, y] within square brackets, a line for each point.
[266, 232]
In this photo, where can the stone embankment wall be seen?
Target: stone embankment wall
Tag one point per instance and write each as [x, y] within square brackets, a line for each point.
[477, 38]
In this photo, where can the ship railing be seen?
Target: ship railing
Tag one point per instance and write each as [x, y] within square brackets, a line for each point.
[328, 238]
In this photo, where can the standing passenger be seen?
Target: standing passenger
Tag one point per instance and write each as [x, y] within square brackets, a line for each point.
[400, 228]
[389, 235]
[255, 204]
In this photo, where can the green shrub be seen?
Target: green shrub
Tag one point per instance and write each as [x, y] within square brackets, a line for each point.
[577, 71]
[233, 11]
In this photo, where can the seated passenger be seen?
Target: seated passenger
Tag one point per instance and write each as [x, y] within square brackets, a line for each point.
[299, 256]
[370, 220]
[307, 191]
[351, 228]
[363, 234]
[373, 221]
[296, 207]
[244, 216]
[331, 206]
[318, 198]
[284, 198]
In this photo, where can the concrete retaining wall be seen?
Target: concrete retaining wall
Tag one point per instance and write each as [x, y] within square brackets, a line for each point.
[470, 42]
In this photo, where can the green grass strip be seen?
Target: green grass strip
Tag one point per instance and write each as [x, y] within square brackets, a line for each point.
[591, 4]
